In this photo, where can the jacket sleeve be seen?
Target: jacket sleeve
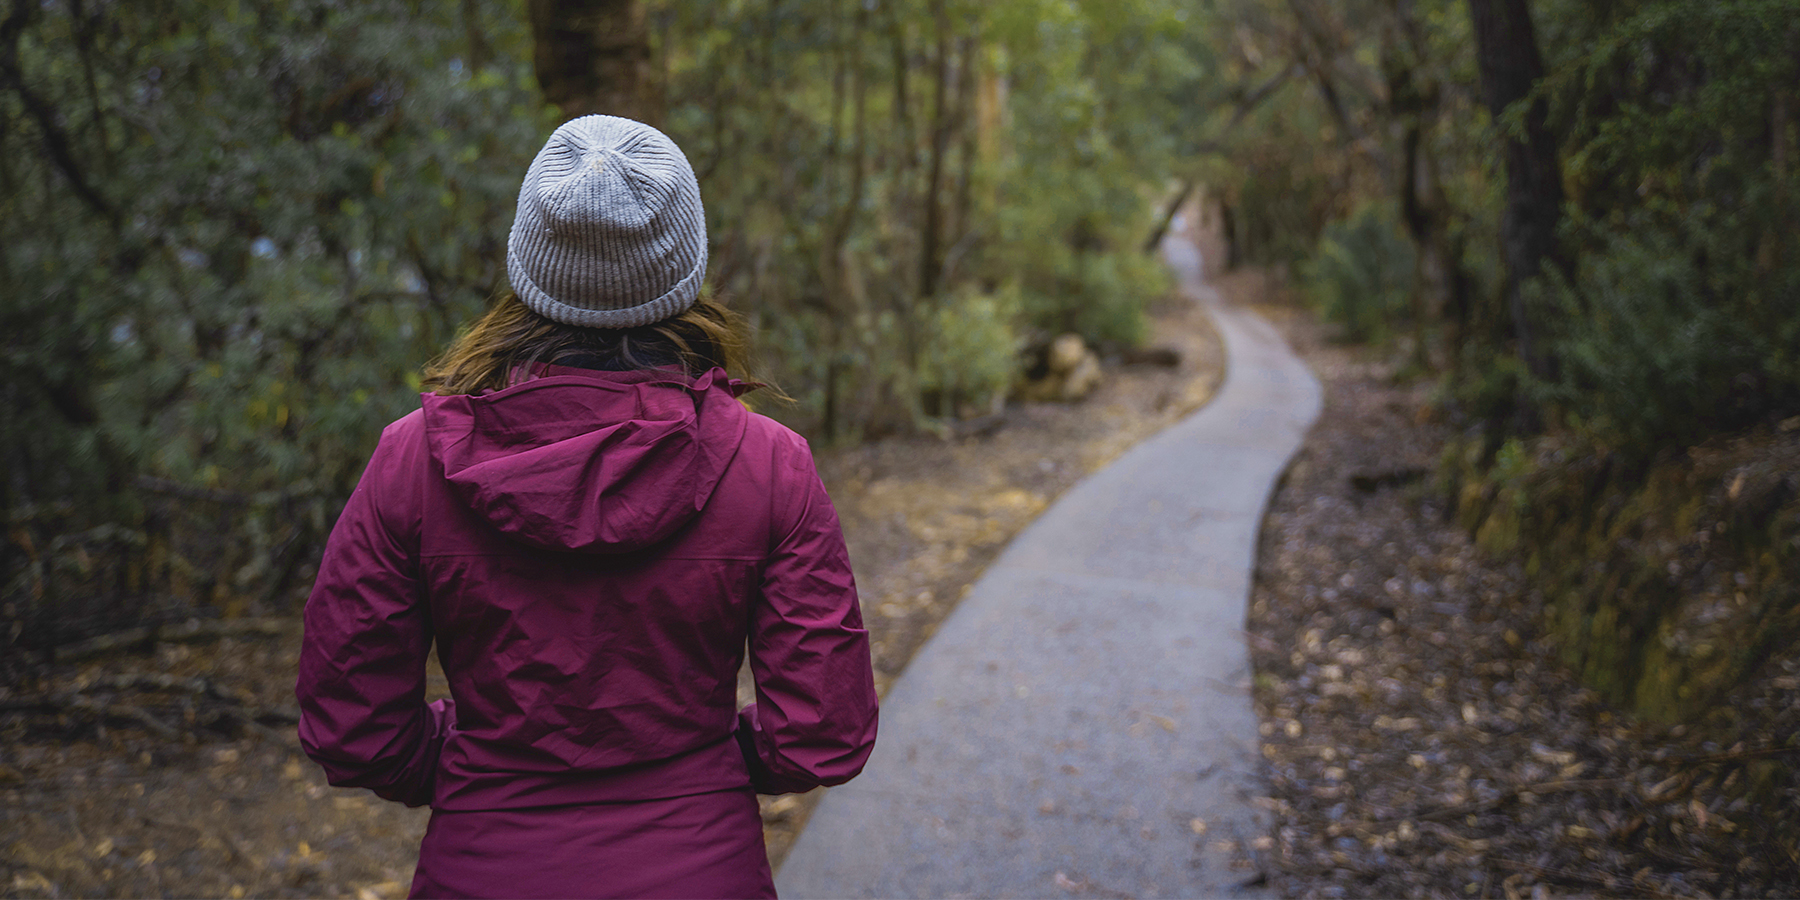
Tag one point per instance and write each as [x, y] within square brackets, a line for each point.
[363, 715]
[813, 722]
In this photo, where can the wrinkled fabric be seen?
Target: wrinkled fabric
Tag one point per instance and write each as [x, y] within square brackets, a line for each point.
[708, 845]
[591, 553]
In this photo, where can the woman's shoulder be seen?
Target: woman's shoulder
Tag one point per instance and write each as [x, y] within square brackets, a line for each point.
[411, 425]
[406, 433]
[401, 446]
[781, 444]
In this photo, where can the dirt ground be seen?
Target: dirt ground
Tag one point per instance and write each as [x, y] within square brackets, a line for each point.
[1421, 738]
[172, 770]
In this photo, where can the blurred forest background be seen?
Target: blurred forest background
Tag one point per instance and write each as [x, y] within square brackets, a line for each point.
[233, 230]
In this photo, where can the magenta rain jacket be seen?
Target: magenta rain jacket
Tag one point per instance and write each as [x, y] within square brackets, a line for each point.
[590, 551]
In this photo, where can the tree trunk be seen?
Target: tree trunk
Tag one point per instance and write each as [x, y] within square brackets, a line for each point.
[961, 229]
[593, 56]
[1170, 211]
[931, 235]
[1506, 53]
[480, 51]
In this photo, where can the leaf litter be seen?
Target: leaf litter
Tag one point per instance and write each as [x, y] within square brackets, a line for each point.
[1419, 735]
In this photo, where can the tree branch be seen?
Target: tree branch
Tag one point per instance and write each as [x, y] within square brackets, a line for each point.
[56, 143]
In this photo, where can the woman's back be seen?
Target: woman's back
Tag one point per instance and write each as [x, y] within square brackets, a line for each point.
[591, 550]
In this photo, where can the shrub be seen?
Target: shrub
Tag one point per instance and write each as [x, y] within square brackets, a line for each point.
[1101, 296]
[1655, 350]
[972, 350]
[1360, 274]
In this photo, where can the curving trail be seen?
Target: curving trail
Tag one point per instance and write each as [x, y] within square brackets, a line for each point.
[1081, 723]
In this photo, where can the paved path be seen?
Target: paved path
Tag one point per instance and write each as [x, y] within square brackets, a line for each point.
[1084, 714]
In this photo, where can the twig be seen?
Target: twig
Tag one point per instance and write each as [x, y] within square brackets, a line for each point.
[1451, 812]
[1555, 787]
[164, 682]
[248, 720]
[190, 631]
[1609, 881]
[125, 711]
[172, 488]
[1716, 758]
[246, 713]
[234, 846]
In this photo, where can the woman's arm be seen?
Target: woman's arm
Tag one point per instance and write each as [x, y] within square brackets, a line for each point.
[814, 720]
[363, 715]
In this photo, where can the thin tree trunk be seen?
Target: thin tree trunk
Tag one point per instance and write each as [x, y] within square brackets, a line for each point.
[1773, 243]
[931, 234]
[58, 146]
[846, 217]
[900, 290]
[1421, 226]
[1413, 102]
[1170, 211]
[902, 90]
[904, 146]
[480, 52]
[1506, 52]
[593, 56]
[967, 76]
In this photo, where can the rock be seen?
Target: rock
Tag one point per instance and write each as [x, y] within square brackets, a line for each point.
[1066, 353]
[1072, 371]
[1081, 380]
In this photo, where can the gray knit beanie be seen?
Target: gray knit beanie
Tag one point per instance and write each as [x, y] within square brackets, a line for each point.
[609, 232]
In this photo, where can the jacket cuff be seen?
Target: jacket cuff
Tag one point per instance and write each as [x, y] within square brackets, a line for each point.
[763, 779]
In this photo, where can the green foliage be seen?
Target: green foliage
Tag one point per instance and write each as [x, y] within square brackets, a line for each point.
[1653, 357]
[1092, 140]
[1489, 387]
[232, 233]
[1312, 107]
[1669, 315]
[1681, 319]
[1100, 296]
[866, 165]
[1676, 315]
[973, 353]
[1360, 276]
[1286, 184]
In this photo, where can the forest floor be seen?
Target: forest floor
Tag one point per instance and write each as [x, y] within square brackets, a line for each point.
[1421, 737]
[172, 770]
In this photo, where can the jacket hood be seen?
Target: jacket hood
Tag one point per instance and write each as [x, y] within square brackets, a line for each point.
[590, 461]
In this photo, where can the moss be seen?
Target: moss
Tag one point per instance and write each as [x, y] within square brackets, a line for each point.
[1669, 584]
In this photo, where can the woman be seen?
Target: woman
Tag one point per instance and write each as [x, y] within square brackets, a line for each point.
[592, 528]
